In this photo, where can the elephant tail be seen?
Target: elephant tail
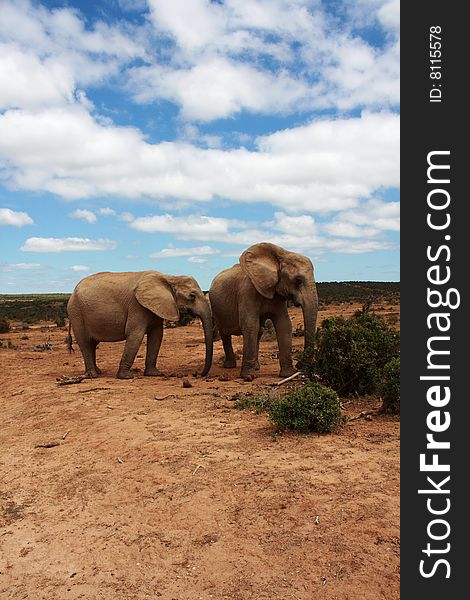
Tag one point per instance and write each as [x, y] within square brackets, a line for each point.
[69, 339]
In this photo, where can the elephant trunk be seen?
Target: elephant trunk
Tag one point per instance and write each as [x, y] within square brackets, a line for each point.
[206, 320]
[310, 309]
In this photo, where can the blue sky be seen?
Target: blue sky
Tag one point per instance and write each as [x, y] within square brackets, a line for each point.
[173, 134]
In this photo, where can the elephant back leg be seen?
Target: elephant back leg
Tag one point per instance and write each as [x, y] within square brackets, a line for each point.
[230, 360]
[94, 345]
[87, 347]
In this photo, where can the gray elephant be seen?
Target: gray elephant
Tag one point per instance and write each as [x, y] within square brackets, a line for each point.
[110, 307]
[256, 289]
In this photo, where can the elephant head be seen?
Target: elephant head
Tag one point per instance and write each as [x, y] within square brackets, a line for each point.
[273, 270]
[167, 296]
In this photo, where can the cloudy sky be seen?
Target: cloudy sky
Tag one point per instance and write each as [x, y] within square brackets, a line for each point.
[172, 134]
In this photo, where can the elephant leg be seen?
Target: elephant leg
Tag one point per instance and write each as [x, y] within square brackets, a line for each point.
[131, 347]
[230, 361]
[260, 333]
[154, 341]
[250, 349]
[283, 327]
[94, 344]
[87, 347]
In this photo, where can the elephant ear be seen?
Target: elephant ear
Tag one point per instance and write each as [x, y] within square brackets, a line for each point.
[156, 294]
[261, 263]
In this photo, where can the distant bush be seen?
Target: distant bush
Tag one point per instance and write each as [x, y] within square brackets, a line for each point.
[389, 386]
[4, 326]
[351, 353]
[313, 407]
[38, 308]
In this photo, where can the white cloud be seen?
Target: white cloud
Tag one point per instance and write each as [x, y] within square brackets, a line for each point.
[46, 54]
[324, 166]
[197, 260]
[193, 226]
[78, 268]
[220, 88]
[86, 215]
[70, 244]
[15, 218]
[314, 62]
[108, 212]
[197, 251]
[126, 216]
[9, 268]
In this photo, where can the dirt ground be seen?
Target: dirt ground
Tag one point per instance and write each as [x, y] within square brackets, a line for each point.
[146, 489]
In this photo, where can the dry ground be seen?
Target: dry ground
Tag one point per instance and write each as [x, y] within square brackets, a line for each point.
[152, 490]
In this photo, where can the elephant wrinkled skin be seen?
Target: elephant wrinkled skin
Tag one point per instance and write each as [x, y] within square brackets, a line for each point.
[256, 289]
[110, 307]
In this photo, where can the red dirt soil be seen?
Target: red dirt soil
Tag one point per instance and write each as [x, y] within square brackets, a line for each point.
[142, 489]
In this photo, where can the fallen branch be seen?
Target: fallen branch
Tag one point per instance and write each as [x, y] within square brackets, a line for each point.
[65, 434]
[364, 414]
[48, 445]
[164, 397]
[93, 390]
[197, 469]
[283, 381]
[64, 380]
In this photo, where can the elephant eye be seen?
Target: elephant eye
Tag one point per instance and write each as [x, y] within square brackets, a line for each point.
[298, 281]
[192, 296]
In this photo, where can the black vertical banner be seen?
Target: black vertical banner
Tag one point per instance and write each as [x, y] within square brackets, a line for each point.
[435, 237]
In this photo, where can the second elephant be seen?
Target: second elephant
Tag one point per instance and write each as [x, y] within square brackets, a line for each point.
[109, 307]
[256, 289]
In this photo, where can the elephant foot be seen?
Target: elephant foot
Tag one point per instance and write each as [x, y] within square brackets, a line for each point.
[98, 370]
[124, 375]
[229, 364]
[247, 375]
[152, 372]
[287, 371]
[92, 374]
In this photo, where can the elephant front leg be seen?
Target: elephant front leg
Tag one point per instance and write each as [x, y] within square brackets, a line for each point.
[154, 341]
[283, 327]
[250, 351]
[131, 348]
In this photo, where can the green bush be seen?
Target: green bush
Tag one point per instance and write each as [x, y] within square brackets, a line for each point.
[351, 353]
[4, 326]
[389, 387]
[313, 407]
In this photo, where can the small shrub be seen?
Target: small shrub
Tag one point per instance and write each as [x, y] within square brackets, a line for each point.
[389, 387]
[313, 407]
[4, 326]
[351, 353]
[257, 404]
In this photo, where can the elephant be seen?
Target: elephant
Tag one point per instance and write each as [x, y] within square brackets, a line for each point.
[256, 289]
[110, 307]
